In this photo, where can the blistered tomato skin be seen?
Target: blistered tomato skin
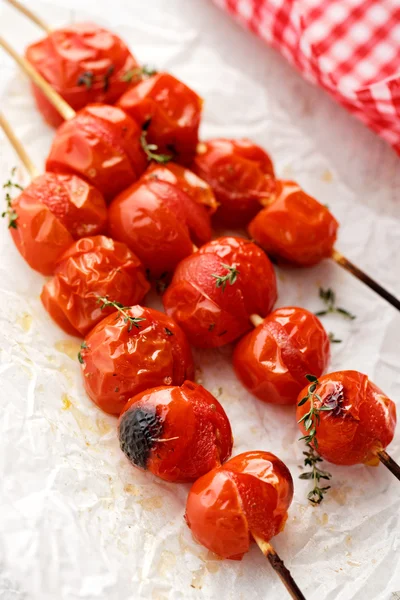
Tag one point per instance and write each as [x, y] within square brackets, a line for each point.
[295, 228]
[90, 268]
[361, 423]
[102, 145]
[80, 49]
[240, 173]
[250, 493]
[160, 222]
[118, 363]
[174, 111]
[212, 316]
[51, 212]
[272, 360]
[176, 433]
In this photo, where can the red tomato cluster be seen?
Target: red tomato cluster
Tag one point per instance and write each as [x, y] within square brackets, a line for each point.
[92, 268]
[249, 494]
[172, 111]
[358, 421]
[177, 433]
[52, 212]
[272, 360]
[294, 227]
[211, 309]
[84, 63]
[240, 173]
[136, 362]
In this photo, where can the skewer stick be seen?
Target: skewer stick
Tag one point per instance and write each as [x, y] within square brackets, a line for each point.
[31, 15]
[57, 101]
[278, 565]
[346, 264]
[18, 147]
[256, 320]
[389, 463]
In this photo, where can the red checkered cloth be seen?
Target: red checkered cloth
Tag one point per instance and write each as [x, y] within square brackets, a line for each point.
[349, 47]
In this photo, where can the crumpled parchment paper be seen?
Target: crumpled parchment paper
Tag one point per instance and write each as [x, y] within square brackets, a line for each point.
[76, 521]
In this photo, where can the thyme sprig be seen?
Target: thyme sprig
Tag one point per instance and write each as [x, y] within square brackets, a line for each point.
[230, 277]
[312, 458]
[86, 79]
[311, 420]
[333, 339]
[9, 185]
[138, 74]
[80, 357]
[130, 321]
[328, 296]
[151, 149]
[106, 78]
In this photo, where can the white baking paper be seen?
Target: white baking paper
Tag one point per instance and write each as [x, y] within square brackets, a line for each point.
[76, 520]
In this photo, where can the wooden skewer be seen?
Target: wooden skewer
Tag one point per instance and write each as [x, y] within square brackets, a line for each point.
[57, 101]
[256, 320]
[31, 15]
[389, 463]
[18, 147]
[346, 264]
[279, 567]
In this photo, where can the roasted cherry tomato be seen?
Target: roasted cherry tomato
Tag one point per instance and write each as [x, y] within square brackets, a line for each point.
[214, 291]
[84, 63]
[51, 213]
[186, 181]
[177, 433]
[295, 227]
[159, 222]
[131, 351]
[249, 494]
[273, 360]
[240, 173]
[172, 111]
[357, 421]
[91, 268]
[102, 145]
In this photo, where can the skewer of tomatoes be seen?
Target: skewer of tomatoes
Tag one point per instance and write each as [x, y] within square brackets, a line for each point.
[290, 225]
[107, 147]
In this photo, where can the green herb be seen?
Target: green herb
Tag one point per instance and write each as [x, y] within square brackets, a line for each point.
[333, 340]
[151, 149]
[10, 212]
[80, 357]
[168, 331]
[138, 74]
[312, 458]
[230, 277]
[86, 79]
[311, 420]
[130, 321]
[329, 298]
[107, 76]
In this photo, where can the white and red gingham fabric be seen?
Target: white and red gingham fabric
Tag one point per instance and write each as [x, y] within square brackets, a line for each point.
[349, 47]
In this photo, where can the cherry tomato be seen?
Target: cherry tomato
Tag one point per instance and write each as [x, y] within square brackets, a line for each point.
[240, 173]
[361, 421]
[186, 180]
[174, 112]
[102, 145]
[177, 433]
[51, 212]
[84, 63]
[214, 291]
[159, 222]
[295, 227]
[249, 494]
[273, 360]
[120, 359]
[91, 268]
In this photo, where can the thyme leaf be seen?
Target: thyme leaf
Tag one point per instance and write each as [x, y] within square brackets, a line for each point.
[138, 74]
[130, 321]
[230, 277]
[151, 149]
[328, 296]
